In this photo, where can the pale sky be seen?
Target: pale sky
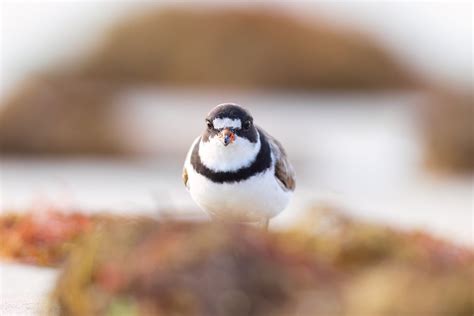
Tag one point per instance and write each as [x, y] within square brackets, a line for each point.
[434, 38]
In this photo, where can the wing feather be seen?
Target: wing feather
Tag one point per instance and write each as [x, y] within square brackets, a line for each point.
[283, 169]
[185, 177]
[187, 163]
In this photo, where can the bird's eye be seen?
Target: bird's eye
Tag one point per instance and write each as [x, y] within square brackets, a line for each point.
[209, 125]
[247, 124]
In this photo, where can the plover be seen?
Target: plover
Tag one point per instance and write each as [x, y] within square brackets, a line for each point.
[235, 171]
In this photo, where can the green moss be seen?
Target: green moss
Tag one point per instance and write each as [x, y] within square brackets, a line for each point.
[122, 306]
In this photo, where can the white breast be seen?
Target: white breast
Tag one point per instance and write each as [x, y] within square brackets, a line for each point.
[256, 198]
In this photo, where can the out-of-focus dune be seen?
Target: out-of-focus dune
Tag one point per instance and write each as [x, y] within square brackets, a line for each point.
[242, 48]
[71, 111]
[448, 122]
[59, 115]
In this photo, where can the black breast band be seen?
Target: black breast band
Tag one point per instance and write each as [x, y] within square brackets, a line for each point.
[262, 162]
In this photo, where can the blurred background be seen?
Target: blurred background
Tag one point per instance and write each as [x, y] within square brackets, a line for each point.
[100, 101]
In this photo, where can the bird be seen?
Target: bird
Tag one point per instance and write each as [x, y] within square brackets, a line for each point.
[235, 171]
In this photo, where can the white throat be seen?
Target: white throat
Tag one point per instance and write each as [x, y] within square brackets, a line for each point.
[217, 157]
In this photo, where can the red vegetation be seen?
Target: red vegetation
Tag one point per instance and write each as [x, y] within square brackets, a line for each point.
[41, 238]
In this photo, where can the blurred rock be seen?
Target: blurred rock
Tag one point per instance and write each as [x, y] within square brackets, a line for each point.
[59, 115]
[244, 49]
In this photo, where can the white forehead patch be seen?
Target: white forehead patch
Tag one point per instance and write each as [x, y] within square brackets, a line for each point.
[226, 122]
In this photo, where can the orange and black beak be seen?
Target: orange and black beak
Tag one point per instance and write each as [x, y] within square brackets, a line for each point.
[226, 136]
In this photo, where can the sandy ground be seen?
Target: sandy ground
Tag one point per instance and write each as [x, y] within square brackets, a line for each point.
[23, 289]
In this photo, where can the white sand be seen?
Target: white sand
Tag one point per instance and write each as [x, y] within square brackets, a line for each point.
[23, 288]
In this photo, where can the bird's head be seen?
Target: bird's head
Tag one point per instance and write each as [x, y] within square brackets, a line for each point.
[230, 138]
[230, 124]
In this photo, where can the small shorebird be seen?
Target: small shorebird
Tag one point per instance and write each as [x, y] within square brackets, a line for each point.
[235, 171]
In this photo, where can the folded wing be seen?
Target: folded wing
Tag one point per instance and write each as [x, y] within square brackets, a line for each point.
[283, 170]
